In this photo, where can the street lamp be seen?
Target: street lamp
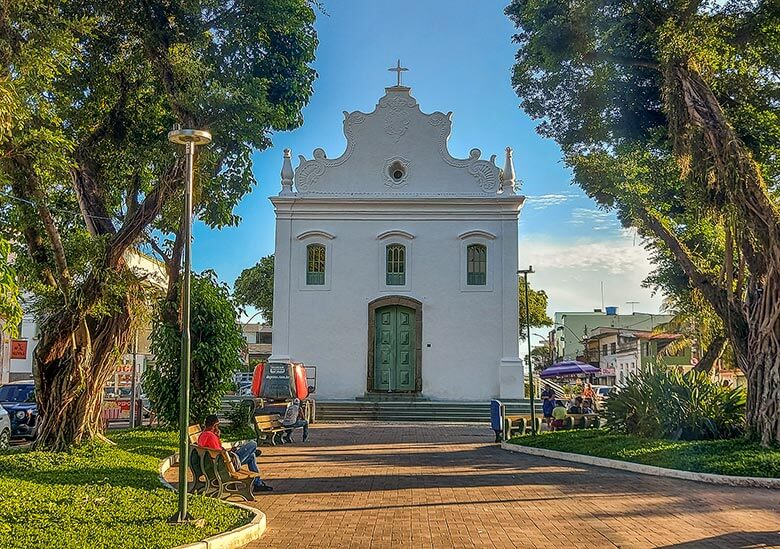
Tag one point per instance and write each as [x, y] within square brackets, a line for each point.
[190, 139]
[525, 273]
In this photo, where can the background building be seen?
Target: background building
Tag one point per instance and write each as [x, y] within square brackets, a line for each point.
[572, 328]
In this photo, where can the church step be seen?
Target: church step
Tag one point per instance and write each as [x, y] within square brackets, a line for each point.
[418, 411]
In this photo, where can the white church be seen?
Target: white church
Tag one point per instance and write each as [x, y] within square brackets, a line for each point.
[396, 263]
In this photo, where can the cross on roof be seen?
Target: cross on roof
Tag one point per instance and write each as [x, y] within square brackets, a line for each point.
[398, 69]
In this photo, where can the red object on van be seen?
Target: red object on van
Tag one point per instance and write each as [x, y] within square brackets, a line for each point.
[257, 378]
[280, 381]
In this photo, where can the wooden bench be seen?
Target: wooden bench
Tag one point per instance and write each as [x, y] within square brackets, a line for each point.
[581, 421]
[223, 480]
[213, 471]
[268, 428]
[520, 424]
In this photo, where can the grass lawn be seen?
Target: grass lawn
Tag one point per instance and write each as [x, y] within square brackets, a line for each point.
[101, 496]
[726, 457]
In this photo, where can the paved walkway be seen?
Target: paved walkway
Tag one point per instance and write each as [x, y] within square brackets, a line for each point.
[391, 485]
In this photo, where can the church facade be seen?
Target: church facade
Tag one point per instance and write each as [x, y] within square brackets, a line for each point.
[396, 263]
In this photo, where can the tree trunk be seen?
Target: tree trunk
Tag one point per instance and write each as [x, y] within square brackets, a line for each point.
[704, 138]
[74, 359]
[714, 352]
[762, 361]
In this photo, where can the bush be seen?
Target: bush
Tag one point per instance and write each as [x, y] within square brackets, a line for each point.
[240, 414]
[661, 402]
[216, 346]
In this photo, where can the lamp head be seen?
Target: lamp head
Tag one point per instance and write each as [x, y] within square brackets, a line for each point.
[183, 137]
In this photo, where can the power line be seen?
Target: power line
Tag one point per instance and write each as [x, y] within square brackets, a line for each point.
[60, 210]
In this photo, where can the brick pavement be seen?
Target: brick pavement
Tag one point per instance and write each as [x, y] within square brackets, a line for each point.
[401, 485]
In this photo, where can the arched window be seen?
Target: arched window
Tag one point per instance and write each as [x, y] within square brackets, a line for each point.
[396, 265]
[315, 265]
[476, 265]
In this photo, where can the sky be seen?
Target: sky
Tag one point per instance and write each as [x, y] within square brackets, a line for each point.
[459, 54]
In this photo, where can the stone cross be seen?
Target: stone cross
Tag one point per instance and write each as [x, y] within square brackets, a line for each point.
[398, 69]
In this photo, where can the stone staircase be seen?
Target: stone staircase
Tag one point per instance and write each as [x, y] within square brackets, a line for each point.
[415, 410]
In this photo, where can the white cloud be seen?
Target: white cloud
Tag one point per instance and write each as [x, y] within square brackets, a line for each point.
[571, 272]
[542, 201]
[597, 220]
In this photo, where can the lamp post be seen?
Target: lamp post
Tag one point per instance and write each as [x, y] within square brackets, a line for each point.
[190, 139]
[525, 273]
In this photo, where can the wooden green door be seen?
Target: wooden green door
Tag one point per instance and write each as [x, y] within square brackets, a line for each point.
[395, 349]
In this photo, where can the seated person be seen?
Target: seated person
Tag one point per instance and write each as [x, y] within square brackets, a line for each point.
[240, 455]
[558, 416]
[576, 408]
[587, 406]
[293, 419]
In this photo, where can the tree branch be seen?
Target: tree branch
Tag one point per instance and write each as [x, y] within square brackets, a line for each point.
[715, 294]
[598, 56]
[29, 187]
[146, 212]
[714, 352]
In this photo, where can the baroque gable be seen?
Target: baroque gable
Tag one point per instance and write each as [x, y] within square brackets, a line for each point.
[397, 150]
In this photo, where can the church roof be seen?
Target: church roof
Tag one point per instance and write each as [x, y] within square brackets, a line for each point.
[397, 151]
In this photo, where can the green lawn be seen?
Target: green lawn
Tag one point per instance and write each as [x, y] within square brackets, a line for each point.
[101, 496]
[726, 457]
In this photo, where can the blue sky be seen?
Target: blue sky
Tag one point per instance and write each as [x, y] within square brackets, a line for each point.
[460, 56]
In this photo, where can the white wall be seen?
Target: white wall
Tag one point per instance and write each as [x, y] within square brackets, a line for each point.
[465, 333]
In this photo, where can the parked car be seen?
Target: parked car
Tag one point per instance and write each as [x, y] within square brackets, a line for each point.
[18, 398]
[5, 429]
[603, 391]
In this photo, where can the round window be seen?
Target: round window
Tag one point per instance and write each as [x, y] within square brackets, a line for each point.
[397, 171]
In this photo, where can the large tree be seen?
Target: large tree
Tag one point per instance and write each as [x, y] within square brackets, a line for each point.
[255, 287]
[93, 87]
[668, 113]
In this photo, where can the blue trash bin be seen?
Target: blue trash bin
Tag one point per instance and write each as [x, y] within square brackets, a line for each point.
[497, 418]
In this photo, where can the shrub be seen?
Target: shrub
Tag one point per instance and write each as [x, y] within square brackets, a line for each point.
[662, 402]
[216, 346]
[240, 414]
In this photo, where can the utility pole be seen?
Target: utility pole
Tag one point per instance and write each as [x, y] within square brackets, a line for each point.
[133, 380]
[190, 139]
[525, 273]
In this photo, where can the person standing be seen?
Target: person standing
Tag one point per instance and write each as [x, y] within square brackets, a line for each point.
[294, 419]
[241, 455]
[548, 403]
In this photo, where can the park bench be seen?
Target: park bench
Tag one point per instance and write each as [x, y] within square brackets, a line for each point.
[222, 479]
[269, 428]
[520, 424]
[581, 421]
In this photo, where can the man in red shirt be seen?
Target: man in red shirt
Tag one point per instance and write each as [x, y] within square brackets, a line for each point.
[241, 455]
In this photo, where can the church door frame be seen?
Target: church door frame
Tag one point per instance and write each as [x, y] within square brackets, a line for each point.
[404, 301]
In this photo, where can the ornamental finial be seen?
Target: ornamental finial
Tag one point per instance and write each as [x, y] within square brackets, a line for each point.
[287, 174]
[508, 174]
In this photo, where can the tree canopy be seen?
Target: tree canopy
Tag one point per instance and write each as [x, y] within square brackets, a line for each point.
[668, 113]
[255, 287]
[88, 91]
[537, 309]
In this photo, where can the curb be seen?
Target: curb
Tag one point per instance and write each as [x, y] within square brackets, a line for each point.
[237, 537]
[710, 478]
